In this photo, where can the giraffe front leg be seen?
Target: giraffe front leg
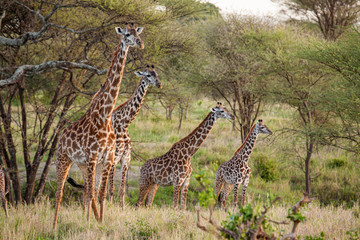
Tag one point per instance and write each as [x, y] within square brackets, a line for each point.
[63, 165]
[125, 162]
[176, 193]
[184, 189]
[244, 188]
[111, 182]
[236, 189]
[90, 191]
[109, 162]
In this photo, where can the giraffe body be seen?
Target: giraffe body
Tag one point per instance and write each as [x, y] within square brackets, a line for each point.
[90, 141]
[2, 191]
[122, 117]
[236, 171]
[174, 167]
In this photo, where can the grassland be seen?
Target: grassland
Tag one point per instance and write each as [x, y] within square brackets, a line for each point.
[276, 166]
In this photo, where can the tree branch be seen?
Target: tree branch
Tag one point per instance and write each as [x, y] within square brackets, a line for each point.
[34, 69]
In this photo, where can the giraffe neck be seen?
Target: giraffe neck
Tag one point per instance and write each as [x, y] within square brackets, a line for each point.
[126, 113]
[194, 140]
[104, 101]
[244, 151]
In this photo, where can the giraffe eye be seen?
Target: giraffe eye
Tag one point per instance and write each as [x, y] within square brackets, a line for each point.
[148, 75]
[127, 35]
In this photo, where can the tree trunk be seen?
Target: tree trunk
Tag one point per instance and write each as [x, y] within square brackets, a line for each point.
[181, 111]
[309, 151]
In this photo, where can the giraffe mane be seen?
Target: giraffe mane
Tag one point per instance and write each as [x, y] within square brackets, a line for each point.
[245, 140]
[108, 72]
[185, 138]
[124, 103]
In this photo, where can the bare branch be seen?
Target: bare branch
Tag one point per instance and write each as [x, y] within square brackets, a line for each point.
[34, 69]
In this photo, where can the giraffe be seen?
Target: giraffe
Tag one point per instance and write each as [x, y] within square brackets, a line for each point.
[174, 167]
[2, 191]
[236, 171]
[122, 117]
[90, 141]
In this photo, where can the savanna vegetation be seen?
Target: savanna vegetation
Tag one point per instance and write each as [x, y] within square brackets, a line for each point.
[301, 77]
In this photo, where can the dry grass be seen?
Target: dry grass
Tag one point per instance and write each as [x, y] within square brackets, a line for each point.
[35, 222]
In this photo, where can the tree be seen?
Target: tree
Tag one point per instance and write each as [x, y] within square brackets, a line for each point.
[300, 84]
[233, 66]
[342, 60]
[332, 16]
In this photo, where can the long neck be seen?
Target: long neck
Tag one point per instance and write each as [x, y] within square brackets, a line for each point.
[194, 140]
[104, 101]
[127, 111]
[245, 150]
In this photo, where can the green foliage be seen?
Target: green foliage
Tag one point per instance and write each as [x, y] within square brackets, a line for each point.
[244, 220]
[142, 230]
[264, 167]
[337, 162]
[207, 195]
[295, 216]
[353, 234]
[321, 237]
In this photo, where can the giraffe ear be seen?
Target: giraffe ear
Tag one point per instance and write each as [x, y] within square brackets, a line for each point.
[139, 29]
[119, 30]
[139, 74]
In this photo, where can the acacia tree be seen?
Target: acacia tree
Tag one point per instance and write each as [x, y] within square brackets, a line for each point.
[299, 84]
[233, 67]
[50, 58]
[332, 16]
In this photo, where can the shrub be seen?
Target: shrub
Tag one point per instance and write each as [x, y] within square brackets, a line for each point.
[337, 162]
[265, 168]
[141, 230]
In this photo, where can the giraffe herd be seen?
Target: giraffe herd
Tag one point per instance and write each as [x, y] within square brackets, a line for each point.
[99, 140]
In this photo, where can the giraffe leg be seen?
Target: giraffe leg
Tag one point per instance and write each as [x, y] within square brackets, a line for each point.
[176, 195]
[90, 190]
[125, 162]
[150, 196]
[105, 175]
[245, 184]
[224, 194]
[63, 164]
[219, 183]
[111, 183]
[236, 189]
[4, 202]
[144, 189]
[184, 190]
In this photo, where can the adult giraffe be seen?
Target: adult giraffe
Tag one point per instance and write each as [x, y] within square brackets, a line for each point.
[91, 139]
[236, 171]
[174, 167]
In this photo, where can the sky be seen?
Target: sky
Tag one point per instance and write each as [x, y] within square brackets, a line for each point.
[253, 7]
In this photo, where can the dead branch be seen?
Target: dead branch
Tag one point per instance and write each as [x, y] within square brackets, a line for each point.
[34, 69]
[202, 227]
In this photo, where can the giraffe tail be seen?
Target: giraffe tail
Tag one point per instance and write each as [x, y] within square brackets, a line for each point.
[74, 183]
[219, 200]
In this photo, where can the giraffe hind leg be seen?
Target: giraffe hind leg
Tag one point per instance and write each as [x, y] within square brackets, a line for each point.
[150, 196]
[224, 194]
[4, 202]
[63, 164]
[219, 183]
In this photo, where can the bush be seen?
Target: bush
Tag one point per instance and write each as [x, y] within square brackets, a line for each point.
[337, 162]
[142, 230]
[265, 168]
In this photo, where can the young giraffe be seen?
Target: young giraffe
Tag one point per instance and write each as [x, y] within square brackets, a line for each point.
[2, 191]
[174, 167]
[122, 117]
[90, 141]
[236, 171]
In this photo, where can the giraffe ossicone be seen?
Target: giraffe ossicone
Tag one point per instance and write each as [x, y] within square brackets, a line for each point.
[174, 167]
[236, 171]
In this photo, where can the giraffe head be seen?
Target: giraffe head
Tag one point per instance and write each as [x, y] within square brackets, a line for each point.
[262, 128]
[150, 76]
[130, 35]
[222, 112]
